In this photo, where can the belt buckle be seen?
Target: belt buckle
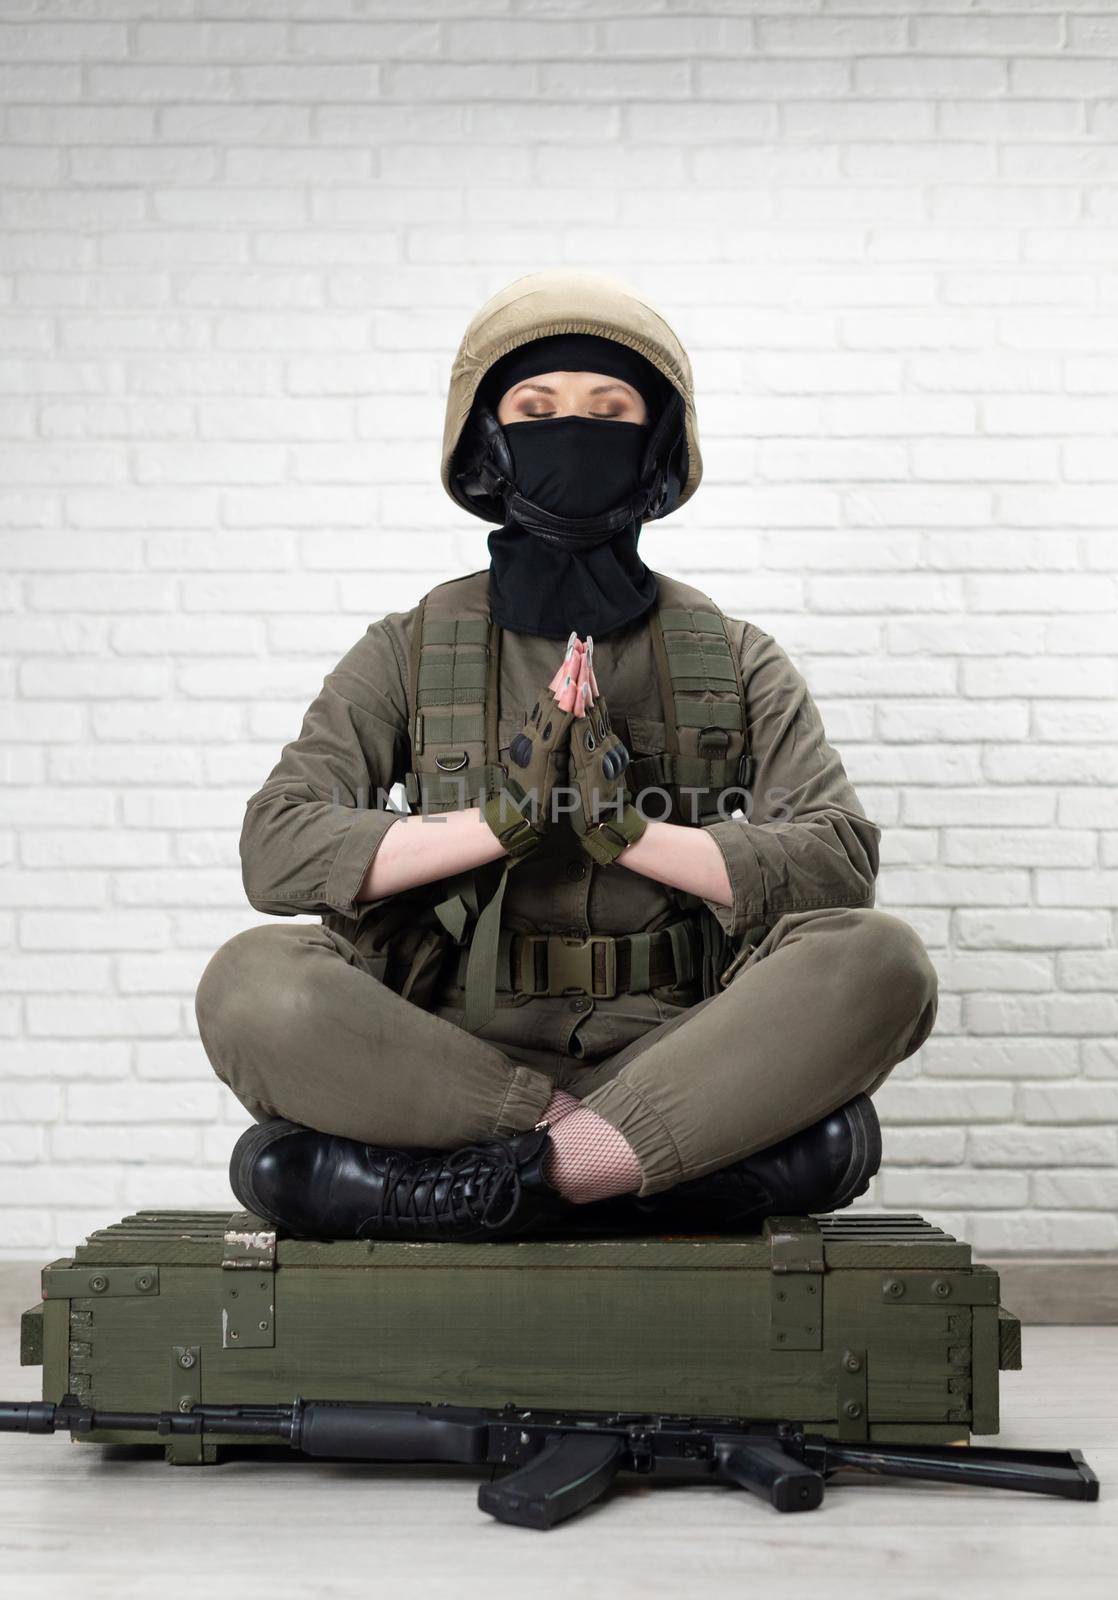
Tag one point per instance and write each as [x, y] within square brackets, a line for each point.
[570, 965]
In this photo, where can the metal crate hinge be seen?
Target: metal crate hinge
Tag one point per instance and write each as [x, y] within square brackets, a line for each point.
[73, 1283]
[796, 1283]
[851, 1405]
[248, 1297]
[795, 1244]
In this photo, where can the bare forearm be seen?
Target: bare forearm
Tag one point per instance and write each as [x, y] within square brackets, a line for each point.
[685, 858]
[420, 849]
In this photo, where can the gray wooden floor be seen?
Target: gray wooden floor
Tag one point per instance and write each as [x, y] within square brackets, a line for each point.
[78, 1522]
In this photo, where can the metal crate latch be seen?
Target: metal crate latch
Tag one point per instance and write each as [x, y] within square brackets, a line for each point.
[248, 1290]
[796, 1287]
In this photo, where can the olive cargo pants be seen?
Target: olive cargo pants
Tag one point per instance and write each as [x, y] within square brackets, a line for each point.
[295, 1023]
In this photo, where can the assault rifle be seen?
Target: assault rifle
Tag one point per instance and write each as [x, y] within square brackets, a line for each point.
[564, 1460]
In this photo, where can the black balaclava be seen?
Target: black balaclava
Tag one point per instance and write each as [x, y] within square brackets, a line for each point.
[576, 467]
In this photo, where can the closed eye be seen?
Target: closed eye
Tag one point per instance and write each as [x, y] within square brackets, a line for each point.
[601, 416]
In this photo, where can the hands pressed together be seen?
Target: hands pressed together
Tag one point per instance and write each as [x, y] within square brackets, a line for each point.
[567, 733]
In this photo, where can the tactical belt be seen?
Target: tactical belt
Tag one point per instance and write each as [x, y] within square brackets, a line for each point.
[554, 964]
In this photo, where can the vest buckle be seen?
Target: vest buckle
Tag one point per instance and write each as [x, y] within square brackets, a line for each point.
[583, 966]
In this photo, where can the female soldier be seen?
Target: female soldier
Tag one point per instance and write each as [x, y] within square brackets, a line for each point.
[619, 966]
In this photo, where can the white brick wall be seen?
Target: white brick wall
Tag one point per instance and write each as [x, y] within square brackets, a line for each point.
[241, 239]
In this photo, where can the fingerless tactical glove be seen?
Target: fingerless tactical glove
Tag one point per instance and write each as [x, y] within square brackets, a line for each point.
[604, 819]
[519, 812]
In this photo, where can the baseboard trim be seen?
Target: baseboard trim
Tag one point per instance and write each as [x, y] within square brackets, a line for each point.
[1058, 1289]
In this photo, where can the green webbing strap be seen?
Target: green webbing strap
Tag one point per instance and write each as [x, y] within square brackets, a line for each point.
[681, 950]
[647, 772]
[693, 772]
[690, 621]
[504, 960]
[708, 714]
[454, 787]
[702, 649]
[455, 630]
[491, 695]
[640, 949]
[454, 729]
[454, 915]
[704, 661]
[704, 678]
[481, 966]
[701, 664]
[524, 966]
[452, 680]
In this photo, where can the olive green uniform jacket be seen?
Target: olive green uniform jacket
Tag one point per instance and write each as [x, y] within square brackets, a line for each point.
[312, 830]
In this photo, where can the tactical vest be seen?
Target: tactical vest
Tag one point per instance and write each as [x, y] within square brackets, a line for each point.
[454, 713]
[453, 722]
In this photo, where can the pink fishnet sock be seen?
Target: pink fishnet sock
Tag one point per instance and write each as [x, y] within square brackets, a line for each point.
[587, 1159]
[560, 1105]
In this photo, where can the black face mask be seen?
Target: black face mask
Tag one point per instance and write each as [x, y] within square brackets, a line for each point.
[575, 467]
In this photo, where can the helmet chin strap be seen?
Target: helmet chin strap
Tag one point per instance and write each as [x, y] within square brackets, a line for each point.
[570, 533]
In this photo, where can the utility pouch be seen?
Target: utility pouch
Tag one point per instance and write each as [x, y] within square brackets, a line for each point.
[404, 945]
[419, 982]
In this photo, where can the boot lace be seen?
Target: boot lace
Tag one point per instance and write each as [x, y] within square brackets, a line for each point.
[434, 1189]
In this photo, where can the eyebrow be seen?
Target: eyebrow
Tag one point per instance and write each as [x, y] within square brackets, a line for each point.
[545, 388]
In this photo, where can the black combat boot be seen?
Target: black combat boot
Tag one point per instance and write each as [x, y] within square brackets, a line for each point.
[822, 1168]
[315, 1185]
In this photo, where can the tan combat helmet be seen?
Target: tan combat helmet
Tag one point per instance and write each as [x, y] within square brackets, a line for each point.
[563, 300]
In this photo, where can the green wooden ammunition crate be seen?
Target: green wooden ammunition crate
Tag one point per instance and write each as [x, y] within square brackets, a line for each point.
[866, 1326]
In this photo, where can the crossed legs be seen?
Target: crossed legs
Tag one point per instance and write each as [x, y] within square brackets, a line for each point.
[296, 1024]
